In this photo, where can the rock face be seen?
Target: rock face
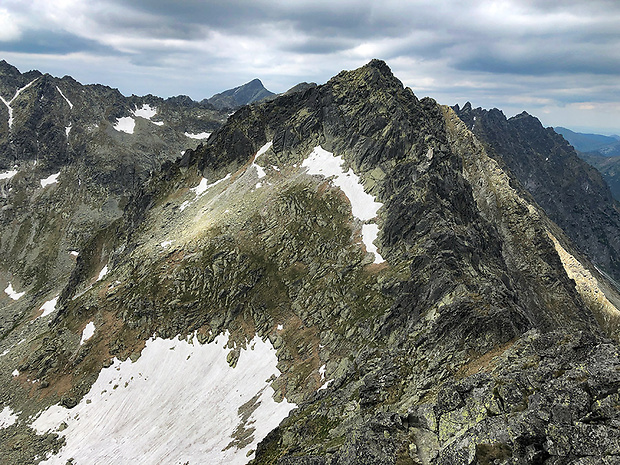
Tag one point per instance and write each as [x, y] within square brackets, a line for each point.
[251, 92]
[609, 167]
[571, 192]
[469, 343]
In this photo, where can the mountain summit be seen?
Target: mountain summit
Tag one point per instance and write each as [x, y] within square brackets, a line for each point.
[346, 274]
[251, 92]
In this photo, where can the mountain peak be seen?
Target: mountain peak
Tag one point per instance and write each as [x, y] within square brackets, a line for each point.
[236, 97]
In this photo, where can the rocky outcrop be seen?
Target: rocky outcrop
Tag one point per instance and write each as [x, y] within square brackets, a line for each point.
[571, 192]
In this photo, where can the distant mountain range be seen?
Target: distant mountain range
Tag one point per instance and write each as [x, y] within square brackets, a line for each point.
[602, 152]
[608, 146]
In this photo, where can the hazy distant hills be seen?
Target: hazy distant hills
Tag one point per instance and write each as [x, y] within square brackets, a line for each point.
[605, 145]
[602, 152]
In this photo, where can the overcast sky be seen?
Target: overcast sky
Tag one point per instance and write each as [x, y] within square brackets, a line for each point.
[558, 60]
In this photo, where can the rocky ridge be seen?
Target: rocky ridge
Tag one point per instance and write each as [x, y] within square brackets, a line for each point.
[572, 193]
[469, 344]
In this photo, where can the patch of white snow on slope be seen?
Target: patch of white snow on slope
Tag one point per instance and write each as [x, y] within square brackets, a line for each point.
[202, 187]
[12, 293]
[8, 174]
[179, 402]
[9, 102]
[48, 307]
[259, 169]
[363, 205]
[51, 179]
[145, 111]
[369, 235]
[125, 124]
[63, 96]
[200, 135]
[102, 273]
[7, 417]
[88, 332]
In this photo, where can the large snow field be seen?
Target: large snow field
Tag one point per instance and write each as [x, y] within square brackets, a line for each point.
[178, 403]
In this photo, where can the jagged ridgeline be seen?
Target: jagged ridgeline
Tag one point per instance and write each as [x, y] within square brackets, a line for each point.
[355, 278]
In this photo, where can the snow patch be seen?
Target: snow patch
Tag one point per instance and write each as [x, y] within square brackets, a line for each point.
[166, 244]
[7, 417]
[66, 99]
[102, 273]
[12, 293]
[322, 373]
[51, 179]
[201, 135]
[180, 402]
[75, 253]
[9, 102]
[158, 123]
[68, 130]
[260, 172]
[363, 205]
[8, 174]
[202, 187]
[263, 149]
[369, 235]
[280, 327]
[327, 383]
[126, 124]
[145, 111]
[48, 307]
[15, 373]
[88, 332]
[322, 162]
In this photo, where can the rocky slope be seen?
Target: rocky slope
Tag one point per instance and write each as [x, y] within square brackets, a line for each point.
[571, 192]
[417, 304]
[609, 167]
[71, 156]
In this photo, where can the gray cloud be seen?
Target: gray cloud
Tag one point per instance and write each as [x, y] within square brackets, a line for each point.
[55, 42]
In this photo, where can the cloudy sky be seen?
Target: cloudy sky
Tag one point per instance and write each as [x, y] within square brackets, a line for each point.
[557, 60]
